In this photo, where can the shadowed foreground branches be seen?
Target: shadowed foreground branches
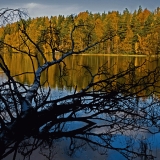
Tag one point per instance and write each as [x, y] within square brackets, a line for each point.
[110, 106]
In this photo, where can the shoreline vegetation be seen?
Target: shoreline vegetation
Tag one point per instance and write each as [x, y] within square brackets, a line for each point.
[136, 33]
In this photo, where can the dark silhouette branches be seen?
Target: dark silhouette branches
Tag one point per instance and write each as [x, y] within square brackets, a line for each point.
[109, 107]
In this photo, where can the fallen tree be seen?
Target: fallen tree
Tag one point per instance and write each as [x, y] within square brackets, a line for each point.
[113, 105]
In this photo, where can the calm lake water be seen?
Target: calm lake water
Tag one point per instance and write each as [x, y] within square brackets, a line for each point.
[63, 80]
[74, 74]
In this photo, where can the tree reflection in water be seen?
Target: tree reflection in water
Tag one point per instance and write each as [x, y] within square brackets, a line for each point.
[107, 110]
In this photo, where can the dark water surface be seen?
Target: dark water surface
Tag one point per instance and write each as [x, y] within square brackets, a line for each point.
[76, 76]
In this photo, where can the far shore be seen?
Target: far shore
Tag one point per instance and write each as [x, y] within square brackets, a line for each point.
[100, 54]
[129, 55]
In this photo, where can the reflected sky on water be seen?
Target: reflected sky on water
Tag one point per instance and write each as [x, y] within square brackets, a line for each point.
[77, 76]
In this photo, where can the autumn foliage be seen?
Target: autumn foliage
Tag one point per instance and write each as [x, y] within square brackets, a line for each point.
[129, 33]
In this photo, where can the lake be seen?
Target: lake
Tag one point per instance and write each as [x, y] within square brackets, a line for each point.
[64, 78]
[71, 76]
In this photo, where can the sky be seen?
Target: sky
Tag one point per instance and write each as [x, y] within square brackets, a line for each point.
[38, 8]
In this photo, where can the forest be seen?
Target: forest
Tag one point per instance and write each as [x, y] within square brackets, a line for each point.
[112, 110]
[127, 33]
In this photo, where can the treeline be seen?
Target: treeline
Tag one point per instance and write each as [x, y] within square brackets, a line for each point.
[128, 33]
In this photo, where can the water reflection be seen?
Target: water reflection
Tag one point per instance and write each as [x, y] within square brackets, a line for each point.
[75, 75]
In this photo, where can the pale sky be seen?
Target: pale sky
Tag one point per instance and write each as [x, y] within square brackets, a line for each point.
[37, 8]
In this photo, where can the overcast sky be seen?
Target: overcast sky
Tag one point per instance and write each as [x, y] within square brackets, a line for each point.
[37, 8]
